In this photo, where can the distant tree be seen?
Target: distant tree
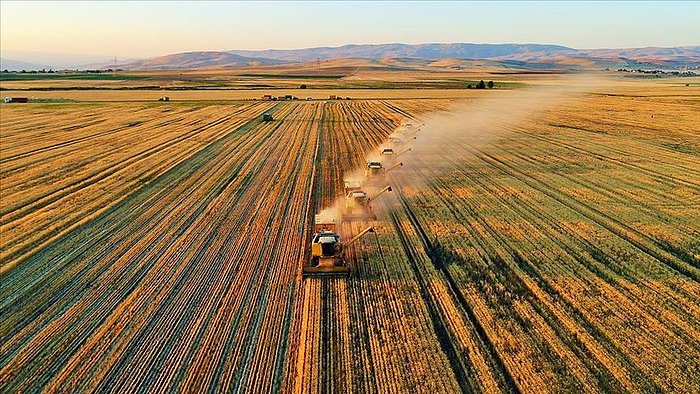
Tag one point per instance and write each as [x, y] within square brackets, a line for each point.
[490, 84]
[302, 86]
[481, 85]
[469, 86]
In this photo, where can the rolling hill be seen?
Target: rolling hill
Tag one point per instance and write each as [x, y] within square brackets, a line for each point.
[190, 60]
[521, 55]
[423, 51]
[527, 56]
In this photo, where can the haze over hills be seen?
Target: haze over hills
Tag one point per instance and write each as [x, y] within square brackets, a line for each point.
[521, 55]
[530, 53]
[518, 55]
[11, 64]
[189, 60]
[36, 60]
[423, 51]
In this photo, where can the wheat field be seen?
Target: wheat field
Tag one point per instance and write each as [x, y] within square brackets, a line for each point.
[524, 248]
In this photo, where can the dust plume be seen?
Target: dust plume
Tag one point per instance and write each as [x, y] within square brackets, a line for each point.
[332, 213]
[456, 134]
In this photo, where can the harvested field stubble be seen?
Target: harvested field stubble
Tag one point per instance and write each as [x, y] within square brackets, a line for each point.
[549, 248]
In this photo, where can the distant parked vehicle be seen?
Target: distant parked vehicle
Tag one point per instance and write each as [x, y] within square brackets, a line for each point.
[16, 100]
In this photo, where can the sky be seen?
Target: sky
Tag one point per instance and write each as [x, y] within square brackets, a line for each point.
[131, 29]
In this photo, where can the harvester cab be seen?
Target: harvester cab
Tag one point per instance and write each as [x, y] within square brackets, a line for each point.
[356, 200]
[327, 250]
[387, 152]
[357, 206]
[374, 172]
[351, 186]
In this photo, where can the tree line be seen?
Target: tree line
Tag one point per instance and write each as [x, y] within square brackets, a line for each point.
[481, 85]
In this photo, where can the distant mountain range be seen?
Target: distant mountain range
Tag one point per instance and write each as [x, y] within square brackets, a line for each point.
[536, 55]
[520, 55]
[530, 53]
[422, 51]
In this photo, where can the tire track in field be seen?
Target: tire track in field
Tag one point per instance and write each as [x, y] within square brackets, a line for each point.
[669, 178]
[185, 167]
[24, 249]
[506, 381]
[532, 271]
[624, 231]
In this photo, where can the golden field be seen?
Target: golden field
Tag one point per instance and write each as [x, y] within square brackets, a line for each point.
[538, 238]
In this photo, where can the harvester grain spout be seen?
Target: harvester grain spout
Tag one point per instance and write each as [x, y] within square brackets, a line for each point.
[369, 229]
[394, 167]
[386, 189]
[406, 151]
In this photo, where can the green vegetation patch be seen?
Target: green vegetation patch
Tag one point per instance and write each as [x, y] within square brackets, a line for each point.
[292, 76]
[70, 76]
[66, 104]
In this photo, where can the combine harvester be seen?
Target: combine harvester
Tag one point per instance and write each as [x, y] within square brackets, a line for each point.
[387, 152]
[327, 250]
[327, 246]
[358, 205]
[391, 155]
[351, 186]
[375, 173]
[327, 258]
[408, 131]
[397, 141]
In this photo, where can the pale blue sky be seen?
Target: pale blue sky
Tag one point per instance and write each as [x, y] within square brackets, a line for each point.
[140, 29]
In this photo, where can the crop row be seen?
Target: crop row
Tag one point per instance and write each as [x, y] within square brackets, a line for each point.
[159, 248]
[566, 288]
[189, 279]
